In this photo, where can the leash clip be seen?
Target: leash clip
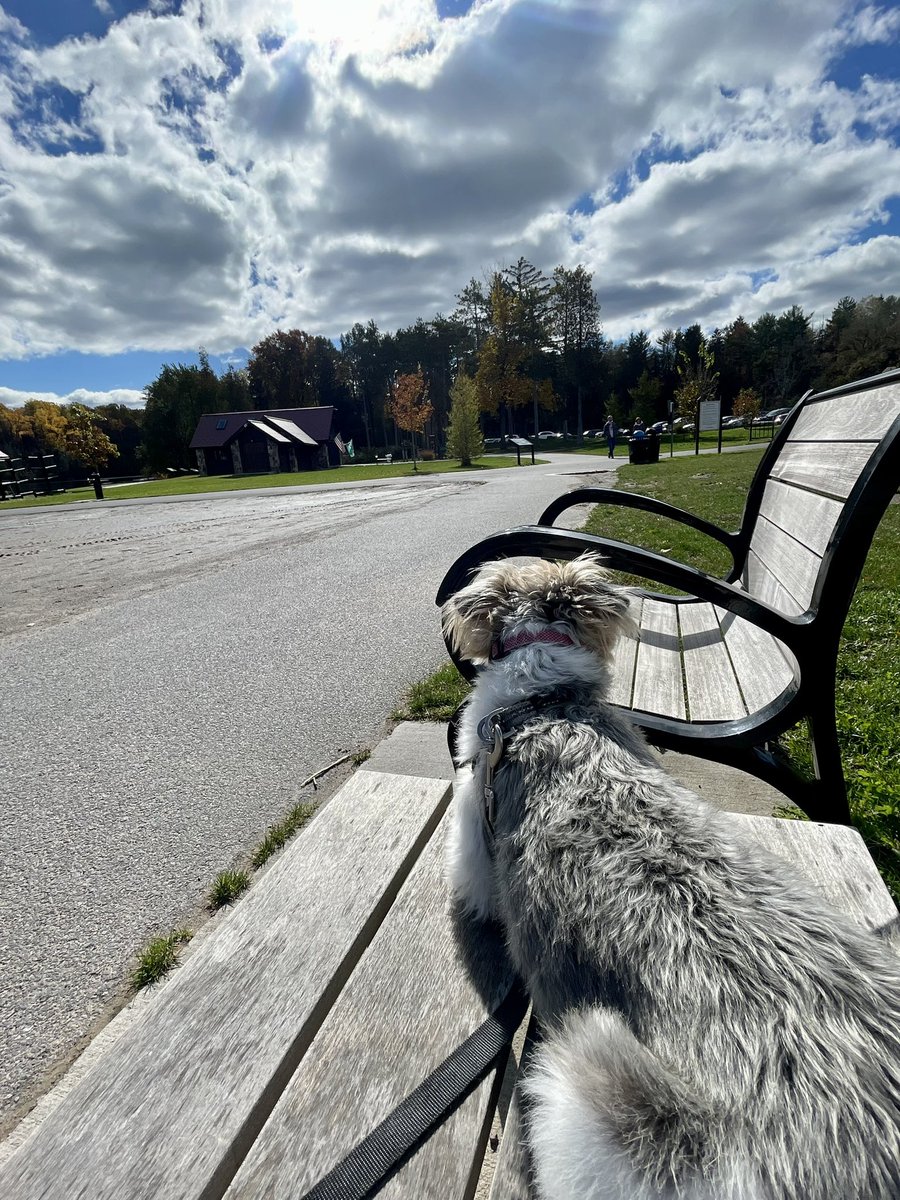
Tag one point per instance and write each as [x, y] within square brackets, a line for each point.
[494, 755]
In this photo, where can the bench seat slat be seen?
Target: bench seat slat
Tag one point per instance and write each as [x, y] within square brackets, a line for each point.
[173, 1104]
[835, 860]
[712, 690]
[868, 418]
[791, 563]
[807, 516]
[658, 685]
[624, 656]
[408, 1005]
[829, 467]
[760, 666]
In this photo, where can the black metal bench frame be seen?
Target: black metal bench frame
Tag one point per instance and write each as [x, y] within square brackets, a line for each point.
[812, 637]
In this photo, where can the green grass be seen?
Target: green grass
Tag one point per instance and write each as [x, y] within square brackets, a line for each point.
[435, 698]
[227, 887]
[159, 958]
[713, 487]
[277, 835]
[868, 674]
[191, 485]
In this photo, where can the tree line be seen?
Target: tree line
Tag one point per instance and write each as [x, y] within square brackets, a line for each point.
[533, 349]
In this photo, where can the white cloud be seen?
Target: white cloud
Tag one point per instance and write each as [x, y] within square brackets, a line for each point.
[13, 398]
[315, 164]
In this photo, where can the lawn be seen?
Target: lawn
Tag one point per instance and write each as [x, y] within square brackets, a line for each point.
[188, 485]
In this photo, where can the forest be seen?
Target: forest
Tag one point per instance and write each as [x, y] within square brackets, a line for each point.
[534, 346]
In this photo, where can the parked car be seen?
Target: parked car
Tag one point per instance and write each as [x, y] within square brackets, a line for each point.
[660, 427]
[771, 415]
[593, 433]
[732, 422]
[548, 433]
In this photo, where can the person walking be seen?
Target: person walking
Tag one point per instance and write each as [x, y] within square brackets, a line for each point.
[609, 432]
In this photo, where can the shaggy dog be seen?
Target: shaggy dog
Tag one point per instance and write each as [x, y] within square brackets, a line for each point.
[714, 1030]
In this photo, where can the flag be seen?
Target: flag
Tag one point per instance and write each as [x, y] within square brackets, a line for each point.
[350, 451]
[339, 442]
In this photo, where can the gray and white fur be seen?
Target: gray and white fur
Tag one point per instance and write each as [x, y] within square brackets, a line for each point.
[714, 1029]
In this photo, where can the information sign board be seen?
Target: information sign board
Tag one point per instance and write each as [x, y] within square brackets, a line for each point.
[710, 415]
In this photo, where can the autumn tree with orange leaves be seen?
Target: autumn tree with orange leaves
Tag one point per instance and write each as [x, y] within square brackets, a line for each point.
[409, 406]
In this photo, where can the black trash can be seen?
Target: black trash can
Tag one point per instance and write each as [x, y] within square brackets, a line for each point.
[643, 450]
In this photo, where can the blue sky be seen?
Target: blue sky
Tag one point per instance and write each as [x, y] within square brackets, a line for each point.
[176, 174]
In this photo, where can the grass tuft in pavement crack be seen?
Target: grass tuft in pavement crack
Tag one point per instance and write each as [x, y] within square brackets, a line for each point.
[277, 835]
[159, 958]
[435, 698]
[227, 887]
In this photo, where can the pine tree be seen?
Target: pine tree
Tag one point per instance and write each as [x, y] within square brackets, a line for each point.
[464, 439]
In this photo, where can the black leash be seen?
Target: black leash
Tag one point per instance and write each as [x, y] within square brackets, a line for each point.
[362, 1172]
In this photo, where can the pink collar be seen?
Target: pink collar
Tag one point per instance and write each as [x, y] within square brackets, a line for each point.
[554, 637]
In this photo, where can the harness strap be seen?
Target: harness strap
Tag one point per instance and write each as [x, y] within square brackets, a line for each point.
[363, 1171]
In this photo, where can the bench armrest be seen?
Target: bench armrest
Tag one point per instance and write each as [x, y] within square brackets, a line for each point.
[543, 541]
[597, 495]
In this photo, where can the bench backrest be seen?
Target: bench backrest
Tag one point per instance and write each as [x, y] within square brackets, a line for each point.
[816, 501]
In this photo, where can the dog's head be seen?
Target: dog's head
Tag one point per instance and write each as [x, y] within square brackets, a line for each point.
[506, 596]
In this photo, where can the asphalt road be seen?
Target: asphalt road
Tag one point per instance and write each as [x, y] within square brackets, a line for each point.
[169, 674]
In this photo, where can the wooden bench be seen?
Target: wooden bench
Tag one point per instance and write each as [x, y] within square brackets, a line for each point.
[321, 1000]
[724, 668]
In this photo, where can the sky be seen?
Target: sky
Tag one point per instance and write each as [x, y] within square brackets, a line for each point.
[187, 173]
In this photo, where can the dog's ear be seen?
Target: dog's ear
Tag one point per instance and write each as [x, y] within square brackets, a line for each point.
[472, 618]
[599, 611]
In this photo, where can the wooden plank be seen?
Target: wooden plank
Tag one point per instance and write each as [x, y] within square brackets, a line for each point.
[624, 658]
[866, 416]
[409, 1004]
[512, 1176]
[835, 859]
[173, 1106]
[712, 690]
[828, 467]
[658, 683]
[807, 516]
[791, 563]
[758, 660]
[759, 581]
